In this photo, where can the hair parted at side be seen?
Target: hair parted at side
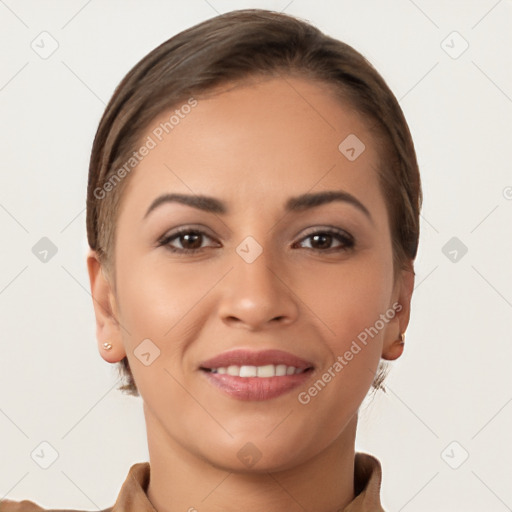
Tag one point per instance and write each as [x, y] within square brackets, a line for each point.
[232, 47]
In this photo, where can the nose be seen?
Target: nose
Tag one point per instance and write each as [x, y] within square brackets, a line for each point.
[257, 295]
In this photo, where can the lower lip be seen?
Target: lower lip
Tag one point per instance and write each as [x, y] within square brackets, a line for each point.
[256, 388]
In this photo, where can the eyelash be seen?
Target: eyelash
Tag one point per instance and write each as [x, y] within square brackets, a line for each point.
[346, 239]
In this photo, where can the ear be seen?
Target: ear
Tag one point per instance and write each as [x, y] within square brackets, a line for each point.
[105, 310]
[393, 347]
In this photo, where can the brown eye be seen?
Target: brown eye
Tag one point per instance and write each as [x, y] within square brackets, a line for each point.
[322, 240]
[189, 240]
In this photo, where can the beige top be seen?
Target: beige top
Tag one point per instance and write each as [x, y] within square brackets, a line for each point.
[132, 497]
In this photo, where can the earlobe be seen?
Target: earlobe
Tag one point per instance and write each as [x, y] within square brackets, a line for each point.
[394, 341]
[395, 349]
[108, 330]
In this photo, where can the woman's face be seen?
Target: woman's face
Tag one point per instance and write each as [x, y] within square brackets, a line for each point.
[314, 282]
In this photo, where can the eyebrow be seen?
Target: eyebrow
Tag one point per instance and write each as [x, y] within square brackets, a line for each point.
[293, 204]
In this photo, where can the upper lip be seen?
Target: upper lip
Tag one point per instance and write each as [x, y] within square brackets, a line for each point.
[241, 357]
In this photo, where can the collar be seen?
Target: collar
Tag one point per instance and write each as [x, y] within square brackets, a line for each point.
[367, 482]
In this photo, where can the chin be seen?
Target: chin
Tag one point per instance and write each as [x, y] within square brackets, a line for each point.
[256, 454]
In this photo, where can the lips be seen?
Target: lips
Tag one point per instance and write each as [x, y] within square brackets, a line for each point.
[250, 358]
[237, 373]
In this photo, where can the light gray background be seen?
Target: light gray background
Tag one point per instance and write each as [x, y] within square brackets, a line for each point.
[453, 382]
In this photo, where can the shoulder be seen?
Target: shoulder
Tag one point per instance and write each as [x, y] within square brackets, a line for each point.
[30, 506]
[19, 506]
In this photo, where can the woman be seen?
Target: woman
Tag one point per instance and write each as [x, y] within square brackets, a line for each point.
[253, 217]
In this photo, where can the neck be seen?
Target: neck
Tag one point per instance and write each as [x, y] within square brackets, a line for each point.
[181, 481]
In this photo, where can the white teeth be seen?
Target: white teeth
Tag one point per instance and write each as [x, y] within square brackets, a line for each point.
[280, 370]
[233, 370]
[248, 371]
[268, 370]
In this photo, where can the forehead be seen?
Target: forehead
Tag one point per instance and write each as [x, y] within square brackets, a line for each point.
[269, 137]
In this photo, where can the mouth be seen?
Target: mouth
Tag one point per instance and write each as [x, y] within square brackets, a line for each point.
[266, 371]
[247, 375]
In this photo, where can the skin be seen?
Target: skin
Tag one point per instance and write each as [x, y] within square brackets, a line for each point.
[253, 146]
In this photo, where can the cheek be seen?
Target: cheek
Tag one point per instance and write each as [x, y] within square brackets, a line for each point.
[349, 301]
[349, 298]
[167, 303]
[154, 292]
[154, 303]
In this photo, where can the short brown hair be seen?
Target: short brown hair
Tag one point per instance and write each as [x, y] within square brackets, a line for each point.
[233, 47]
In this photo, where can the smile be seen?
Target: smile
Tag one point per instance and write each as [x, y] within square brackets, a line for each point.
[248, 375]
[269, 370]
